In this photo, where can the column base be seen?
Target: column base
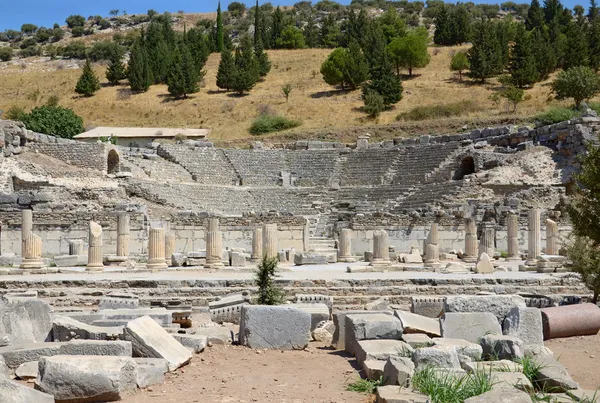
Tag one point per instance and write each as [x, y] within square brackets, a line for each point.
[380, 263]
[32, 264]
[158, 264]
[214, 265]
[512, 258]
[531, 262]
[469, 259]
[346, 259]
[94, 267]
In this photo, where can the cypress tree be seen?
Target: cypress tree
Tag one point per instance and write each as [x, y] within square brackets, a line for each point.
[277, 26]
[139, 71]
[183, 73]
[594, 43]
[311, 34]
[576, 51]
[384, 82]
[257, 24]
[443, 32]
[485, 56]
[535, 16]
[264, 64]
[545, 58]
[88, 82]
[522, 67]
[356, 70]
[220, 37]
[115, 71]
[226, 71]
[460, 26]
[244, 78]
[198, 46]
[593, 11]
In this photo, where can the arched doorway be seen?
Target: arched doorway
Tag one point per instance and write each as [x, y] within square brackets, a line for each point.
[467, 167]
[113, 162]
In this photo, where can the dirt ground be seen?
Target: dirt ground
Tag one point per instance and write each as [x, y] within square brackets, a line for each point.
[581, 356]
[239, 374]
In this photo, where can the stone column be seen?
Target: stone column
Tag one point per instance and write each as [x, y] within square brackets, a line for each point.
[513, 237]
[345, 246]
[488, 237]
[381, 249]
[95, 262]
[432, 250]
[257, 244]
[156, 249]
[214, 244]
[470, 241]
[32, 253]
[76, 247]
[270, 248]
[26, 227]
[123, 235]
[534, 237]
[169, 248]
[551, 237]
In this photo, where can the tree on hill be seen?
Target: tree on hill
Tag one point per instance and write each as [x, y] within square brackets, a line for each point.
[139, 71]
[460, 63]
[219, 37]
[443, 32]
[485, 56]
[543, 52]
[226, 71]
[54, 120]
[257, 24]
[158, 50]
[383, 82]
[594, 36]
[392, 24]
[277, 26]
[115, 71]
[579, 83]
[522, 64]
[246, 72]
[576, 51]
[291, 38]
[236, 9]
[183, 73]
[75, 21]
[535, 16]
[88, 82]
[410, 51]
[332, 68]
[460, 25]
[264, 64]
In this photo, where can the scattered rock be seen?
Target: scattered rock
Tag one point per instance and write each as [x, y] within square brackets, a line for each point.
[413, 323]
[27, 370]
[280, 327]
[526, 324]
[469, 326]
[437, 357]
[504, 395]
[499, 305]
[398, 371]
[150, 371]
[553, 375]
[502, 347]
[394, 394]
[13, 392]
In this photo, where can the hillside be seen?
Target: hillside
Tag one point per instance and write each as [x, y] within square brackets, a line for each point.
[312, 101]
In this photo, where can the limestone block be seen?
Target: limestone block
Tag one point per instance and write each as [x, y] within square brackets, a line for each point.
[339, 320]
[324, 332]
[27, 370]
[65, 329]
[318, 313]
[238, 259]
[87, 378]
[526, 324]
[26, 321]
[150, 371]
[463, 347]
[150, 340]
[502, 347]
[553, 375]
[373, 369]
[194, 342]
[398, 371]
[177, 259]
[306, 258]
[70, 260]
[161, 315]
[381, 350]
[413, 323]
[394, 394]
[15, 355]
[279, 327]
[370, 326]
[533, 350]
[417, 340]
[455, 268]
[13, 392]
[4, 370]
[119, 300]
[216, 335]
[469, 326]
[504, 395]
[436, 357]
[499, 305]
[380, 304]
[429, 306]
[316, 299]
[512, 379]
[491, 366]
[484, 264]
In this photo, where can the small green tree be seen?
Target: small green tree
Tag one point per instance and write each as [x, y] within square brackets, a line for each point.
[139, 71]
[264, 64]
[410, 51]
[6, 53]
[522, 63]
[75, 21]
[264, 279]
[115, 71]
[332, 67]
[384, 82]
[460, 63]
[374, 104]
[513, 96]
[183, 74]
[246, 72]
[579, 83]
[88, 82]
[291, 38]
[485, 56]
[286, 89]
[226, 71]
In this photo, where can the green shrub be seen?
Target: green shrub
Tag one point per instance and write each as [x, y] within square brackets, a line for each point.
[595, 106]
[264, 279]
[579, 83]
[439, 111]
[374, 104]
[556, 115]
[364, 386]
[272, 123]
[15, 113]
[6, 53]
[54, 120]
[105, 50]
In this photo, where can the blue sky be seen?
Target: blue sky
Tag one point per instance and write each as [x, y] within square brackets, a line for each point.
[14, 13]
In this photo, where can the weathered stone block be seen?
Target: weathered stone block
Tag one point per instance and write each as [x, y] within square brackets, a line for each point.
[195, 343]
[150, 371]
[502, 347]
[553, 375]
[87, 378]
[27, 370]
[463, 347]
[278, 327]
[469, 326]
[216, 335]
[417, 340]
[370, 326]
[499, 305]
[429, 306]
[318, 313]
[13, 392]
[373, 369]
[26, 321]
[65, 329]
[339, 320]
[436, 357]
[504, 395]
[305, 258]
[150, 340]
[393, 394]
[513, 379]
[398, 371]
[413, 323]
[381, 350]
[526, 324]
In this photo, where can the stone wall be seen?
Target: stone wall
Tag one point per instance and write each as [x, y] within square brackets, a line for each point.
[82, 155]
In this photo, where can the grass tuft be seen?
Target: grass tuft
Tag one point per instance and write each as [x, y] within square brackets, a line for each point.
[364, 386]
[440, 111]
[269, 123]
[449, 388]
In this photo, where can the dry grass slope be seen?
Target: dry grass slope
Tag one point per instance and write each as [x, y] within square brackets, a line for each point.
[317, 105]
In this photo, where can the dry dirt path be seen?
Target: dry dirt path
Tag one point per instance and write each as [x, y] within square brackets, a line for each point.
[581, 356]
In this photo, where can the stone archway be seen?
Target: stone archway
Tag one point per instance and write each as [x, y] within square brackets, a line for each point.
[467, 167]
[113, 162]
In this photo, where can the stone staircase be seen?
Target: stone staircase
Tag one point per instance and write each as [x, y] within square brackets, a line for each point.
[323, 245]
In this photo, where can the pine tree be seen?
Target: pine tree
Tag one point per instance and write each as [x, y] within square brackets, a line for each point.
[410, 51]
[139, 71]
[157, 50]
[545, 58]
[384, 82]
[183, 73]
[577, 47]
[356, 70]
[115, 71]
[522, 65]
[246, 72]
[460, 26]
[594, 42]
[226, 70]
[88, 82]
[374, 43]
[277, 26]
[485, 56]
[220, 37]
[593, 12]
[460, 63]
[264, 64]
[198, 46]
[311, 34]
[257, 24]
[443, 32]
[535, 16]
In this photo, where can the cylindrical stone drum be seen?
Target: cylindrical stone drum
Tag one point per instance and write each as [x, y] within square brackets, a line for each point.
[570, 320]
